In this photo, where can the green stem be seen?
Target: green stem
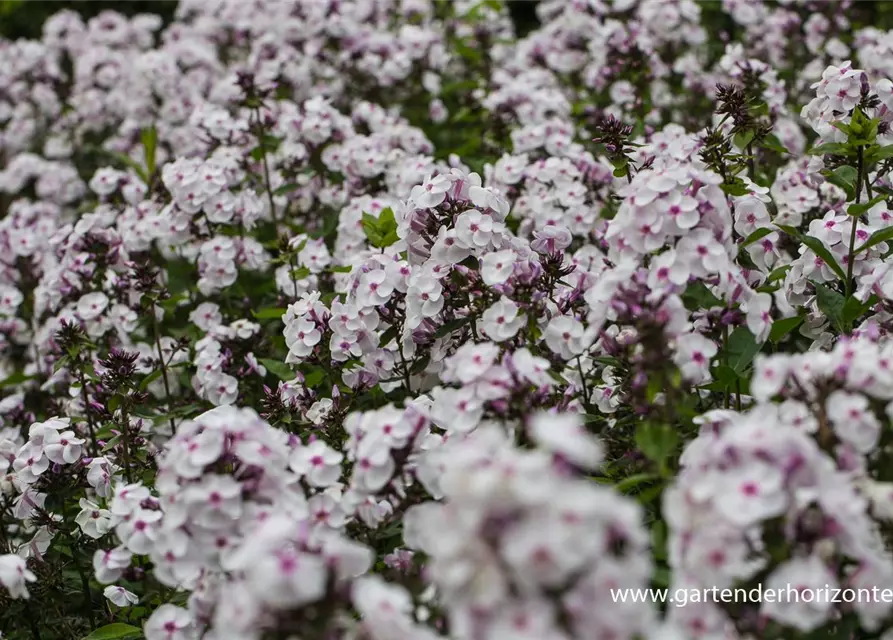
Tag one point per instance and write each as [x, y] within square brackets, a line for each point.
[583, 383]
[751, 163]
[167, 388]
[94, 447]
[851, 258]
[125, 440]
[263, 148]
[85, 583]
[725, 360]
[294, 280]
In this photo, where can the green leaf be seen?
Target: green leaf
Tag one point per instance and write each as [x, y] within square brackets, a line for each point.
[115, 631]
[830, 148]
[269, 312]
[279, 369]
[879, 236]
[741, 349]
[853, 309]
[470, 54]
[879, 153]
[421, 364]
[635, 481]
[381, 231]
[451, 326]
[698, 296]
[742, 139]
[149, 139]
[656, 441]
[738, 188]
[300, 273]
[817, 247]
[842, 126]
[759, 234]
[781, 328]
[724, 377]
[387, 336]
[772, 143]
[859, 209]
[341, 269]
[830, 303]
[778, 274]
[125, 160]
[844, 177]
[16, 378]
[111, 444]
[286, 188]
[61, 362]
[313, 377]
[149, 379]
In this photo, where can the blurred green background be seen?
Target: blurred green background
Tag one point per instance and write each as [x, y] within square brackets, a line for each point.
[24, 18]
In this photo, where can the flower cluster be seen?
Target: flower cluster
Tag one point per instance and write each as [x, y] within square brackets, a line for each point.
[387, 321]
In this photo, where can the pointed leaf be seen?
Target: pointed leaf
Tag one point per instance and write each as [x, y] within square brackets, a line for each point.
[832, 148]
[879, 236]
[115, 631]
[818, 247]
[759, 234]
[831, 303]
[781, 328]
[859, 209]
[279, 369]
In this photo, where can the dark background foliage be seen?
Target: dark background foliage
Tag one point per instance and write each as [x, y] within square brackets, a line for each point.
[24, 18]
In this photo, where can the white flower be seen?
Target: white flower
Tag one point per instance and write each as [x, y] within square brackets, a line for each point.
[120, 596]
[221, 388]
[474, 230]
[693, 355]
[301, 336]
[206, 316]
[854, 420]
[750, 494]
[803, 611]
[105, 181]
[92, 305]
[497, 266]
[30, 463]
[502, 321]
[319, 410]
[93, 521]
[769, 376]
[565, 435]
[14, 575]
[565, 336]
[169, 622]
[532, 368]
[759, 320]
[63, 448]
[139, 530]
[430, 193]
[551, 239]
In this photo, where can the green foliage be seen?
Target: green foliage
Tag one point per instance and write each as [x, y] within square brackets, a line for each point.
[115, 631]
[381, 231]
[25, 18]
